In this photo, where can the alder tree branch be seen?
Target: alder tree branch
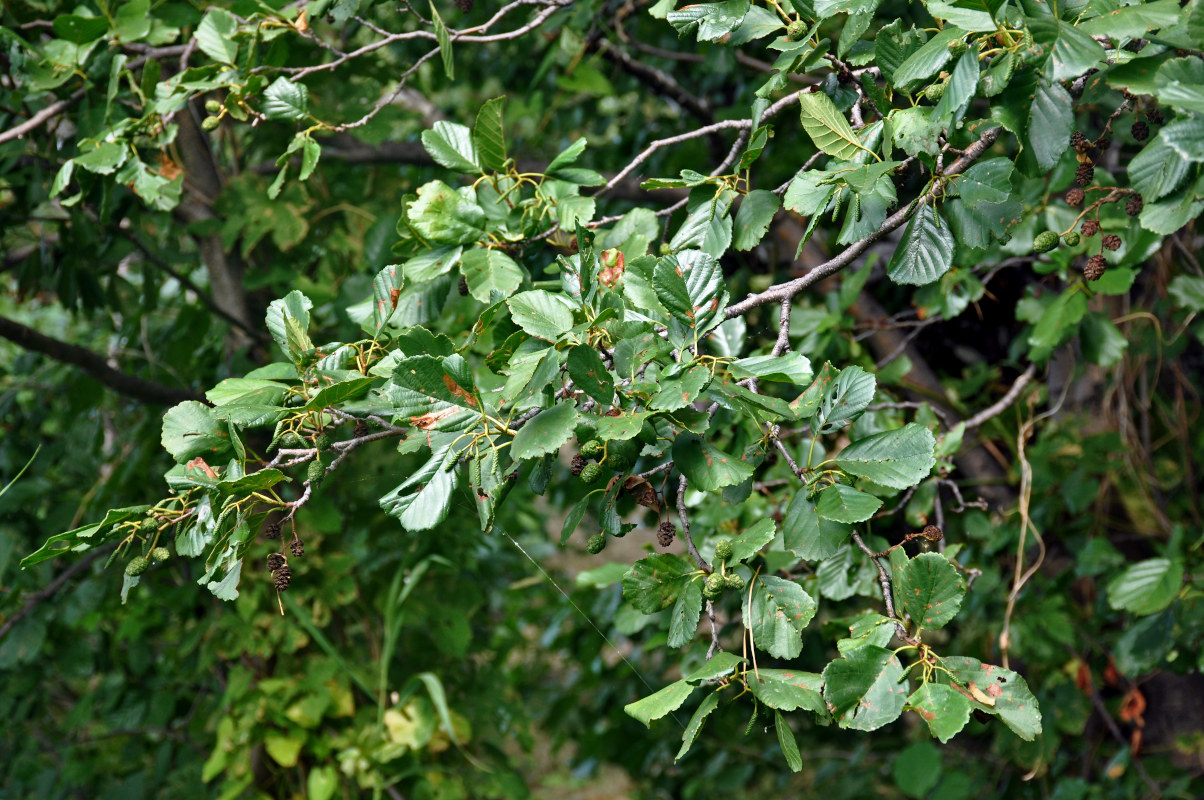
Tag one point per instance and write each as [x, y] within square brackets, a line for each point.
[887, 596]
[95, 365]
[789, 289]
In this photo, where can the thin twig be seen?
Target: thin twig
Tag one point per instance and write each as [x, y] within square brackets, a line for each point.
[884, 582]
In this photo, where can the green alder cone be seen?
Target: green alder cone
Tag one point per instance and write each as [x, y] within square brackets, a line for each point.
[212, 106]
[591, 473]
[624, 448]
[136, 566]
[935, 91]
[734, 581]
[316, 473]
[160, 554]
[723, 550]
[619, 462]
[322, 441]
[592, 448]
[1071, 239]
[958, 48]
[713, 588]
[595, 544]
[1045, 241]
[796, 30]
[210, 123]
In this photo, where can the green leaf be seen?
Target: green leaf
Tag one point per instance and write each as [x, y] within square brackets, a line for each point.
[792, 367]
[542, 314]
[664, 702]
[690, 286]
[1186, 137]
[1103, 343]
[1051, 117]
[654, 583]
[1147, 586]
[830, 8]
[959, 90]
[79, 29]
[255, 482]
[423, 501]
[83, 538]
[545, 432]
[683, 621]
[437, 378]
[227, 588]
[104, 160]
[707, 468]
[590, 375]
[190, 430]
[827, 127]
[1157, 169]
[707, 225]
[751, 540]
[893, 46]
[1074, 51]
[1014, 703]
[338, 393]
[487, 134]
[753, 218]
[708, 704]
[575, 515]
[788, 689]
[1180, 83]
[284, 99]
[1188, 291]
[441, 215]
[386, 289]
[489, 270]
[1132, 21]
[945, 709]
[452, 146]
[717, 666]
[841, 503]
[808, 535]
[445, 44]
[567, 156]
[917, 769]
[929, 589]
[680, 392]
[900, 458]
[925, 252]
[787, 742]
[845, 398]
[622, 427]
[713, 20]
[863, 688]
[293, 306]
[928, 59]
[777, 611]
[215, 35]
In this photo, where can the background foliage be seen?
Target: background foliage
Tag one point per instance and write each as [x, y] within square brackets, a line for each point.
[360, 279]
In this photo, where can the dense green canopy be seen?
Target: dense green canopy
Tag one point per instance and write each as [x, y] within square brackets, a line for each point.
[495, 400]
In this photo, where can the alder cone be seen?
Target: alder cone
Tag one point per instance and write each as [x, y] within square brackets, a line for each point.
[1079, 142]
[465, 6]
[1084, 174]
[282, 576]
[1074, 197]
[297, 547]
[1140, 130]
[1096, 265]
[1111, 241]
[1090, 227]
[1134, 205]
[665, 533]
[578, 464]
[275, 562]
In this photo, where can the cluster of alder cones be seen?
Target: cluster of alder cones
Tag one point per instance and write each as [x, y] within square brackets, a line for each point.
[1084, 175]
